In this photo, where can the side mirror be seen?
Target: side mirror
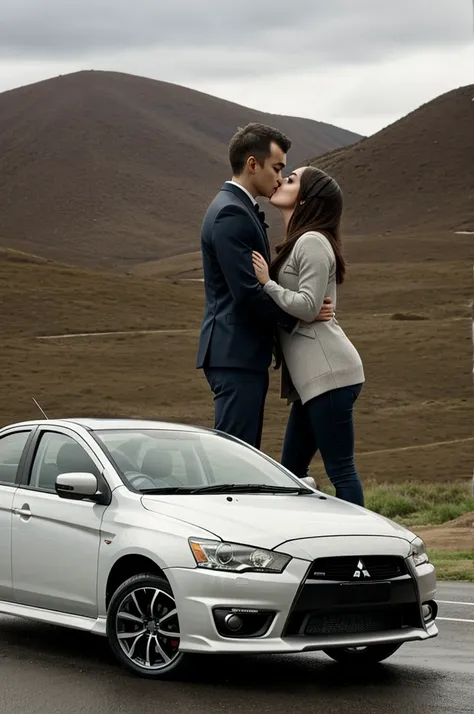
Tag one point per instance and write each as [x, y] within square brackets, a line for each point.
[77, 486]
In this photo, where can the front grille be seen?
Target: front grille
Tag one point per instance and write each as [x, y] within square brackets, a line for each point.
[373, 567]
[352, 620]
[353, 623]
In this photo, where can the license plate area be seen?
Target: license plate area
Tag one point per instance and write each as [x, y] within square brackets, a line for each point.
[347, 622]
[362, 593]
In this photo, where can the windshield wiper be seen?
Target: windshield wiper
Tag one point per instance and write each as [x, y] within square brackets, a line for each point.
[249, 488]
[167, 489]
[227, 488]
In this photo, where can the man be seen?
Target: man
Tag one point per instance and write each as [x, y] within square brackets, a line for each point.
[238, 327]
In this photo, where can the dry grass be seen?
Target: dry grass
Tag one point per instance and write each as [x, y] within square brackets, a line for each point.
[418, 390]
[415, 504]
[455, 565]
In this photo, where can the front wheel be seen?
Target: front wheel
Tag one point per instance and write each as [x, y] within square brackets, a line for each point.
[143, 627]
[362, 655]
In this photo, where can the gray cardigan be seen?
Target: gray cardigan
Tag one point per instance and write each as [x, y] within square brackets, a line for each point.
[318, 356]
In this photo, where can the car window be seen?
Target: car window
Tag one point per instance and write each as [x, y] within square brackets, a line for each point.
[179, 458]
[11, 450]
[180, 462]
[166, 461]
[57, 454]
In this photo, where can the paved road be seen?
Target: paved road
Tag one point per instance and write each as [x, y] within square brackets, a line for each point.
[46, 669]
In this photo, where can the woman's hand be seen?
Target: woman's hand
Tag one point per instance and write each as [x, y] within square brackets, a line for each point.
[261, 268]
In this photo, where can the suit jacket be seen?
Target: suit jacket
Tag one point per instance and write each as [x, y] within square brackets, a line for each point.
[318, 356]
[238, 326]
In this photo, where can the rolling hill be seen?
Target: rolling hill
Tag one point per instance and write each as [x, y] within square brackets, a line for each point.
[416, 174]
[104, 169]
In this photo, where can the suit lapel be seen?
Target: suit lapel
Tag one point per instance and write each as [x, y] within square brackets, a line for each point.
[245, 200]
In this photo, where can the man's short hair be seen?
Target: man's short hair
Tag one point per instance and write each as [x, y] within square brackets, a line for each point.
[254, 140]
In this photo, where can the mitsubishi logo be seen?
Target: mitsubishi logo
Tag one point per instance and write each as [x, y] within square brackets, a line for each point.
[361, 570]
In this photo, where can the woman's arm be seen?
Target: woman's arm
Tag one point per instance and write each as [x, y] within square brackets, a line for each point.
[313, 260]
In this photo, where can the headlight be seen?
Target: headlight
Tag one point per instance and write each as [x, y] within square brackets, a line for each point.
[216, 555]
[418, 552]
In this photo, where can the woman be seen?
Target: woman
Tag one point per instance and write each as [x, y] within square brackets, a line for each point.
[322, 373]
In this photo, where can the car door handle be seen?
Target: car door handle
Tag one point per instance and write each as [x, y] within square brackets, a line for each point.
[23, 512]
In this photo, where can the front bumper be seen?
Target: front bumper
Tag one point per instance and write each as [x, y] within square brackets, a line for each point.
[290, 598]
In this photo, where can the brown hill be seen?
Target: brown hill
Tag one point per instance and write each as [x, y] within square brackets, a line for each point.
[102, 168]
[416, 173]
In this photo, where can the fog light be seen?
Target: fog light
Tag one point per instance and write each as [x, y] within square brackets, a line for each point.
[233, 622]
[242, 621]
[429, 610]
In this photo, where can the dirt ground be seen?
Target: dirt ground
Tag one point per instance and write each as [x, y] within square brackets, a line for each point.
[414, 417]
[454, 535]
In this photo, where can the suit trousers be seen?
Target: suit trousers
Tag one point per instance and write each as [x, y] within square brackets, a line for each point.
[239, 401]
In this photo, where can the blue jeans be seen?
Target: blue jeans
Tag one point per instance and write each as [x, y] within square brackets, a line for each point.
[325, 423]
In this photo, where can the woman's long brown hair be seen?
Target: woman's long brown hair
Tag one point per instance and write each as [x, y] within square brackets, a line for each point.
[320, 211]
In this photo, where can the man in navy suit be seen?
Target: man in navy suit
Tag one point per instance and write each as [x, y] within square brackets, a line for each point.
[238, 328]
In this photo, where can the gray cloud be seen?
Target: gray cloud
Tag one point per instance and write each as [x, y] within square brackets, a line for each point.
[354, 63]
[280, 36]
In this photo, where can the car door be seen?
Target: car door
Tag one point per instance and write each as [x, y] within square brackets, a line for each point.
[55, 542]
[12, 449]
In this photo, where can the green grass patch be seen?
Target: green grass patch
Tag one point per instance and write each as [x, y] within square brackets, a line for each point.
[417, 504]
[453, 565]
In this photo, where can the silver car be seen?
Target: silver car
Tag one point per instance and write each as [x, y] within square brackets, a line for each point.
[172, 540]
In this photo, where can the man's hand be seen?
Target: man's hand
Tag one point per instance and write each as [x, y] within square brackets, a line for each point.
[327, 311]
[261, 268]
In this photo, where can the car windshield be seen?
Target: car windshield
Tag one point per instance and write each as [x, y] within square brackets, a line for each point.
[180, 461]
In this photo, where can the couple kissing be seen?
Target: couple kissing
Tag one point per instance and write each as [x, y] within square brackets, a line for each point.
[253, 303]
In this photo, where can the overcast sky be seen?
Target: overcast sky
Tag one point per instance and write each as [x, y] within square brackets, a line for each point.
[359, 64]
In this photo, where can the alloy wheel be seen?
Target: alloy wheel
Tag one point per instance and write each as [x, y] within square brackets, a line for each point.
[147, 628]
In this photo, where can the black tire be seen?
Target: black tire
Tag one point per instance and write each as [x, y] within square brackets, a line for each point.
[362, 655]
[130, 614]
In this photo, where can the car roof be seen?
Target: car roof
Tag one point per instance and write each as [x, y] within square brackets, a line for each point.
[94, 424]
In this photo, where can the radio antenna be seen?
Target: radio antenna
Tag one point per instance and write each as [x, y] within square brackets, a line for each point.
[41, 410]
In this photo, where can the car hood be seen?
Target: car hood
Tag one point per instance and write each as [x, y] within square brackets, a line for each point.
[270, 520]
